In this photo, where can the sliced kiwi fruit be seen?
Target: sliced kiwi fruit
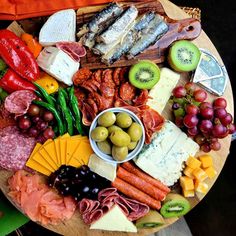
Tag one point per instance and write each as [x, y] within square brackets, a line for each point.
[151, 220]
[184, 56]
[175, 205]
[144, 75]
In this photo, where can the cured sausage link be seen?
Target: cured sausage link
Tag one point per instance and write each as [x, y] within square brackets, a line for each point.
[141, 184]
[136, 194]
[134, 170]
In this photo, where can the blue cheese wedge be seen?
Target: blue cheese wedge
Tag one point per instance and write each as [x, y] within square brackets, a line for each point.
[58, 64]
[102, 168]
[60, 27]
[114, 220]
[164, 157]
[161, 92]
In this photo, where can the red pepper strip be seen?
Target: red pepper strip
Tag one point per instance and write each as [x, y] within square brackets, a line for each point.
[11, 82]
[18, 56]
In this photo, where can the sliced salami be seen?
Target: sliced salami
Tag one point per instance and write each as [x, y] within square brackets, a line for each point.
[18, 102]
[15, 148]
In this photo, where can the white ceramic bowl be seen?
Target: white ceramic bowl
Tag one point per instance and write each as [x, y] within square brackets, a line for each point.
[132, 153]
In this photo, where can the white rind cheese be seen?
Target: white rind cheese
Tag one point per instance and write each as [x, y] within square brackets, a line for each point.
[60, 27]
[114, 220]
[165, 162]
[161, 92]
[102, 168]
[58, 64]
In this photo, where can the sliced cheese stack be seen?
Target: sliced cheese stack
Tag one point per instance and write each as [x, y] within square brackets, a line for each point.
[197, 170]
[64, 150]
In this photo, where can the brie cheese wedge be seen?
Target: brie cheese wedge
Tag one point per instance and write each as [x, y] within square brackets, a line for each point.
[114, 220]
[60, 27]
[58, 64]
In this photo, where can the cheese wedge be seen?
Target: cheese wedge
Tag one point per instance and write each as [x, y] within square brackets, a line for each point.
[114, 220]
[60, 27]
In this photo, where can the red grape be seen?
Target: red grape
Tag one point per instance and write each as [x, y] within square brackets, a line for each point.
[200, 139]
[220, 112]
[179, 121]
[191, 109]
[190, 121]
[190, 87]
[231, 128]
[219, 130]
[48, 116]
[206, 126]
[207, 113]
[215, 146]
[24, 123]
[193, 131]
[179, 92]
[226, 120]
[205, 147]
[42, 125]
[205, 105]
[36, 119]
[48, 133]
[33, 110]
[33, 132]
[220, 103]
[200, 95]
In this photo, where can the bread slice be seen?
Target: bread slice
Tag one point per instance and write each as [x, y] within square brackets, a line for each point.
[61, 26]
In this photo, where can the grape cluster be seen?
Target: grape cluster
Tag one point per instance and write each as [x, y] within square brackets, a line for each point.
[37, 123]
[205, 122]
[77, 182]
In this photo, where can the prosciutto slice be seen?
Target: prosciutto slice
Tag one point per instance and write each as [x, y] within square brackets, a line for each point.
[92, 210]
[74, 49]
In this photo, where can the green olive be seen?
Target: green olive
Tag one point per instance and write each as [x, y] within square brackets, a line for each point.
[99, 134]
[107, 119]
[104, 146]
[120, 138]
[123, 120]
[119, 153]
[113, 128]
[135, 132]
[132, 145]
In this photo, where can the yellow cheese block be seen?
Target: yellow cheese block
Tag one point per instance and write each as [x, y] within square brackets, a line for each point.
[71, 146]
[51, 150]
[57, 148]
[40, 160]
[48, 158]
[63, 150]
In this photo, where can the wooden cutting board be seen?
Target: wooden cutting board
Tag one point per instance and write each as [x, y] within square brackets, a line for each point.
[75, 226]
[187, 28]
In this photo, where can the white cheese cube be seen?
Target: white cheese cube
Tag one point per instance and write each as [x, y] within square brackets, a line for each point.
[58, 64]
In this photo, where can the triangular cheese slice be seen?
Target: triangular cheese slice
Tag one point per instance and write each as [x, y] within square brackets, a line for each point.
[60, 27]
[114, 220]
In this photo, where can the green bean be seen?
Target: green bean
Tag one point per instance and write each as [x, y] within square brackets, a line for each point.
[65, 94]
[3, 94]
[76, 111]
[45, 95]
[55, 113]
[68, 118]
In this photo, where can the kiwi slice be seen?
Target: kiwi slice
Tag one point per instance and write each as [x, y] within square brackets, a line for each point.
[144, 75]
[183, 56]
[175, 205]
[151, 220]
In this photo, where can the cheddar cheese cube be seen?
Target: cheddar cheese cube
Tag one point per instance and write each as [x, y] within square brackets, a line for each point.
[206, 161]
[200, 174]
[200, 187]
[188, 171]
[186, 183]
[188, 193]
[211, 172]
[193, 162]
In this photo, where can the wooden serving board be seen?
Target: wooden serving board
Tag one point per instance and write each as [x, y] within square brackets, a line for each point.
[75, 226]
[187, 28]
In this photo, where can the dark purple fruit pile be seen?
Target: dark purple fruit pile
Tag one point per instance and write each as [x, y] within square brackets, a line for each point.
[77, 182]
[205, 122]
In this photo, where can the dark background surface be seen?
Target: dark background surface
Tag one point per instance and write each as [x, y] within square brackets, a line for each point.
[216, 214]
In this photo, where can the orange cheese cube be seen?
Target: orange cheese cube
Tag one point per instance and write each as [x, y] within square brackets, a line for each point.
[188, 193]
[193, 162]
[211, 172]
[206, 161]
[200, 174]
[186, 183]
[188, 171]
[200, 187]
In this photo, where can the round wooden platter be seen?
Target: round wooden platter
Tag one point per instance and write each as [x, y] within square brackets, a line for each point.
[75, 225]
